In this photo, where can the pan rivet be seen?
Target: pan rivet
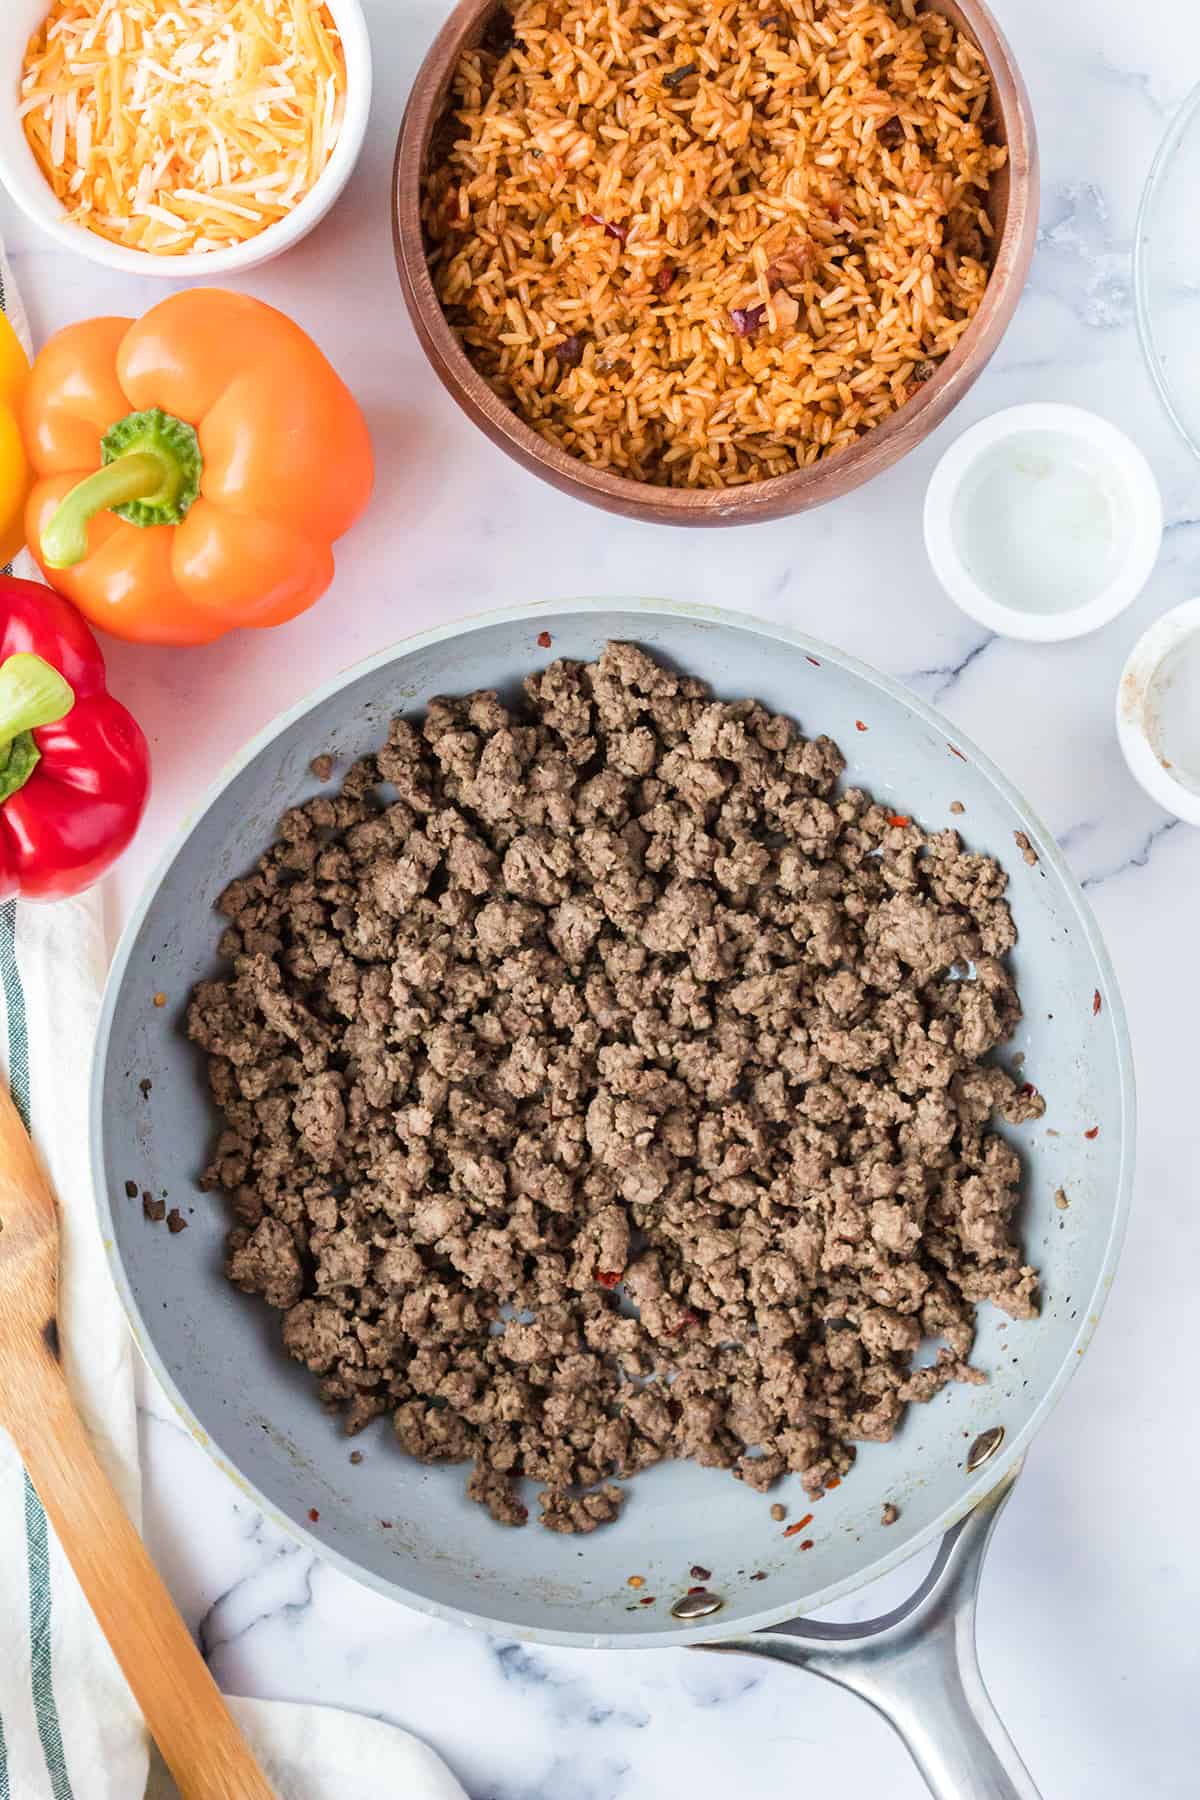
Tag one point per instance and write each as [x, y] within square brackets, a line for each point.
[697, 1606]
[984, 1448]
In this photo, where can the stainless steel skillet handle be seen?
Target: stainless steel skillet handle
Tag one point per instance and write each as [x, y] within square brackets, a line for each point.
[918, 1667]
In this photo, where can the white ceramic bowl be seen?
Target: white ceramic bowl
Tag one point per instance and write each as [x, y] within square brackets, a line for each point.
[1043, 522]
[1158, 712]
[20, 175]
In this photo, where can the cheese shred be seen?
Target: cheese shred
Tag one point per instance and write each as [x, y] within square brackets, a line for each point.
[179, 125]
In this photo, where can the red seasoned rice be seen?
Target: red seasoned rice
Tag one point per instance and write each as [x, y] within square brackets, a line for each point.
[703, 244]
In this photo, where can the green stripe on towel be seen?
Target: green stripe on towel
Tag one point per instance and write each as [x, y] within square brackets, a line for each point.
[4, 1788]
[14, 1006]
[37, 1545]
[40, 1645]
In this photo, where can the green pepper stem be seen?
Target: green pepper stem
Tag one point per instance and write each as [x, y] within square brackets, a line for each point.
[136, 477]
[32, 694]
[151, 476]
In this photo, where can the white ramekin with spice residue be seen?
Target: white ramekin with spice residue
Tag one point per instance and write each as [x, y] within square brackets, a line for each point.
[1158, 712]
[23, 178]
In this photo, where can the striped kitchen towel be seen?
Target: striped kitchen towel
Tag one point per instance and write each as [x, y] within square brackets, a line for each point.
[69, 1728]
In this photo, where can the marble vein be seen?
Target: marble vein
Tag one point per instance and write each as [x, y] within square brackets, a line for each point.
[1071, 840]
[567, 1695]
[241, 1607]
[934, 684]
[1081, 263]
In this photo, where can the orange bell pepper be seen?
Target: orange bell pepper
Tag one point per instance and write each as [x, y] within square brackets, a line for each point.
[193, 468]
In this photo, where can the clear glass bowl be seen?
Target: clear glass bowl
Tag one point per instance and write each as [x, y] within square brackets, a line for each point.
[1167, 271]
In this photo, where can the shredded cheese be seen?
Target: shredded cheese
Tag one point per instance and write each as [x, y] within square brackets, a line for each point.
[179, 125]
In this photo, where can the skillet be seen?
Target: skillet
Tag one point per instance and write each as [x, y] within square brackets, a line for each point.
[952, 1465]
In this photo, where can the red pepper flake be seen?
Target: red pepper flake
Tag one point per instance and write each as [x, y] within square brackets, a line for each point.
[699, 1573]
[314, 1515]
[1027, 1092]
[608, 1278]
[697, 1590]
[759, 1575]
[620, 232]
[646, 1600]
[807, 1544]
[1097, 1003]
[899, 820]
[834, 209]
[798, 1527]
[544, 640]
[1093, 1133]
[813, 661]
[689, 1318]
[664, 278]
[859, 726]
[954, 751]
[386, 1524]
[747, 319]
[835, 1481]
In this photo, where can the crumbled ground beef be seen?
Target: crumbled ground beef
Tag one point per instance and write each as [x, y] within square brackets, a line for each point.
[611, 1087]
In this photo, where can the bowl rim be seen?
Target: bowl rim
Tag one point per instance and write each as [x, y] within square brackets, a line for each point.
[1145, 538]
[1144, 309]
[535, 612]
[779, 495]
[30, 191]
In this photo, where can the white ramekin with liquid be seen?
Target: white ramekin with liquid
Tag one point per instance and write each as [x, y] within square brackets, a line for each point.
[1043, 522]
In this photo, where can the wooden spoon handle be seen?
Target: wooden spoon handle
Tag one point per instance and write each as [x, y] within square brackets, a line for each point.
[182, 1704]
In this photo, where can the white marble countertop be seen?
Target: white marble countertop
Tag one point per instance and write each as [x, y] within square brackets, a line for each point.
[1087, 1628]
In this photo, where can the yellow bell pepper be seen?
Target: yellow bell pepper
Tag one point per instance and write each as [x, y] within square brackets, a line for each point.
[15, 477]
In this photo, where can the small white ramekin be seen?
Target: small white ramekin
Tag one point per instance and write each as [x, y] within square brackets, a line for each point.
[1126, 467]
[20, 175]
[1155, 662]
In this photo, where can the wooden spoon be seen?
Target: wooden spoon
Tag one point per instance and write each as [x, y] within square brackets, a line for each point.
[187, 1717]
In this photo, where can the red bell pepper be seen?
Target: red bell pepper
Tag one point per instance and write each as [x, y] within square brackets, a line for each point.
[74, 766]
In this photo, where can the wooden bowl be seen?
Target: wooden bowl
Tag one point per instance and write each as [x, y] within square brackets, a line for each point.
[1012, 202]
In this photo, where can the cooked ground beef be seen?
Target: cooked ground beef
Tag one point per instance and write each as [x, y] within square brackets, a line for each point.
[601, 1083]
